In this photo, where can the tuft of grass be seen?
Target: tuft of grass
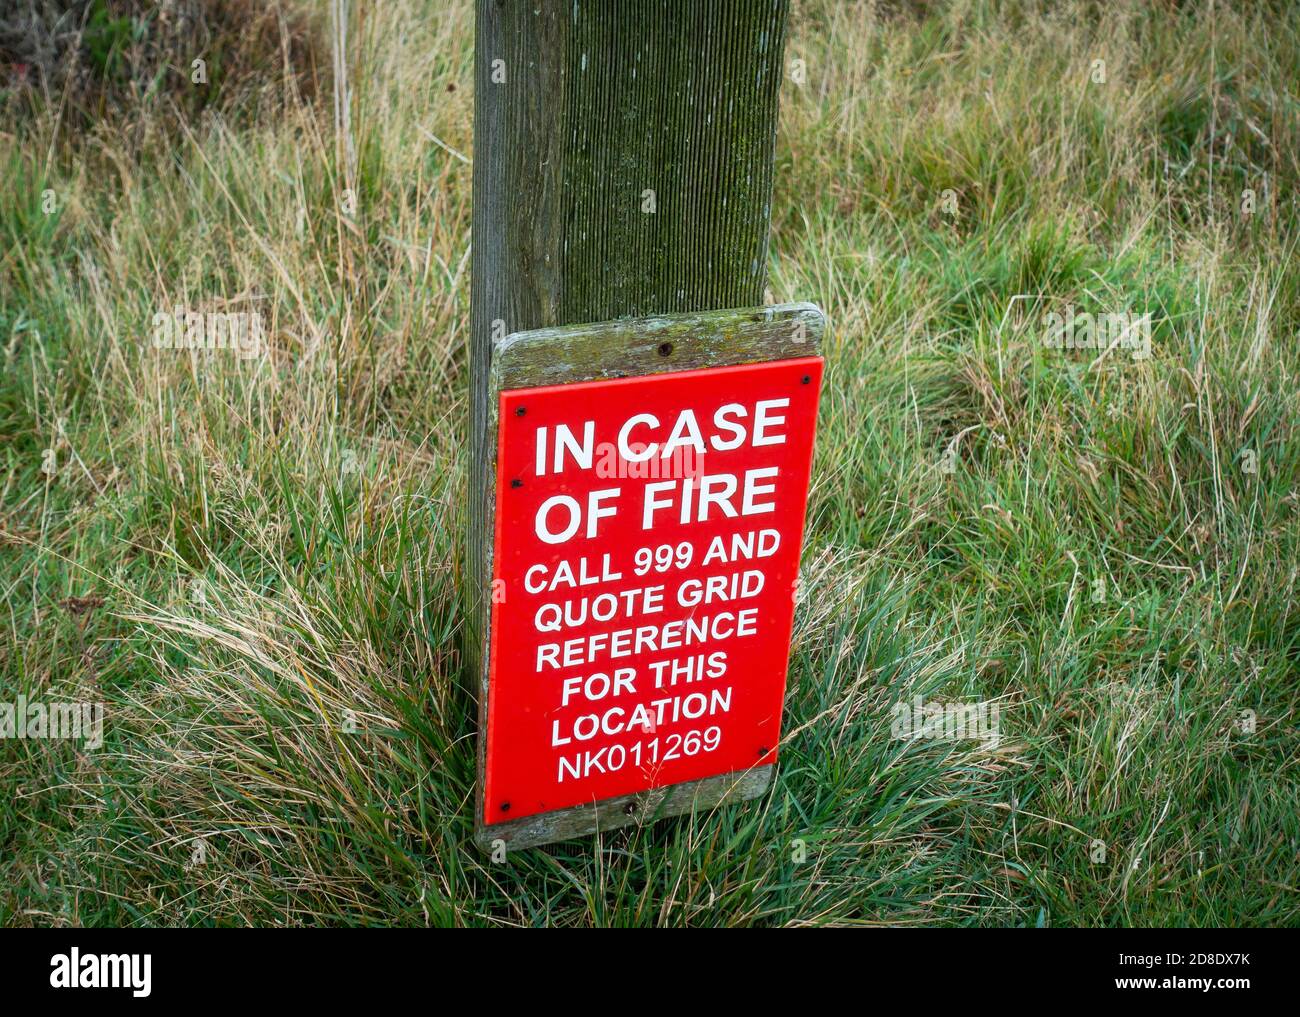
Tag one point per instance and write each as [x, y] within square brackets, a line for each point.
[250, 561]
[145, 64]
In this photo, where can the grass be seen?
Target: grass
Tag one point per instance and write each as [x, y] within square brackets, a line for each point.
[250, 562]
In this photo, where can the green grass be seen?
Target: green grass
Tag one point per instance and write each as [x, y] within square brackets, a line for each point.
[273, 539]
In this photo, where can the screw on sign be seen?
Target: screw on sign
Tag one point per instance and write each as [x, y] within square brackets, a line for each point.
[647, 541]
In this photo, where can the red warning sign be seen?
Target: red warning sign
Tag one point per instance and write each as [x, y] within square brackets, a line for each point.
[647, 544]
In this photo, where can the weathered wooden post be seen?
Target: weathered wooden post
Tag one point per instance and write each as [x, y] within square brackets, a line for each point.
[622, 188]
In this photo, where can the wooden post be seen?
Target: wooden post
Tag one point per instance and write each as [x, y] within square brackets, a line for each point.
[622, 167]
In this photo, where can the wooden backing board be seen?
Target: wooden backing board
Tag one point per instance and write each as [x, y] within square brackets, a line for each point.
[626, 348]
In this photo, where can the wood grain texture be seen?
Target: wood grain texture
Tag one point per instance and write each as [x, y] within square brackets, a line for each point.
[653, 345]
[627, 810]
[581, 108]
[623, 349]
